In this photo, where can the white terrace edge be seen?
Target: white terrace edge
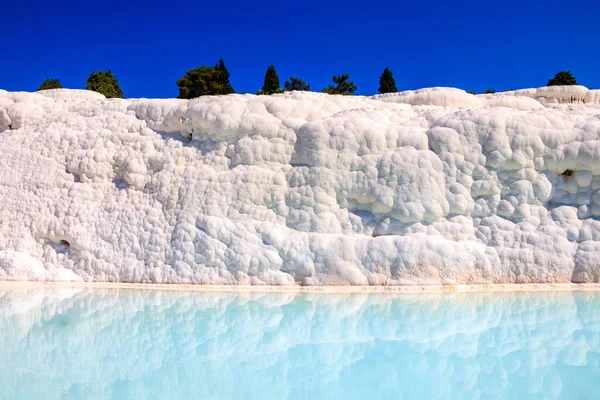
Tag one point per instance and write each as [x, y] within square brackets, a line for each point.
[462, 288]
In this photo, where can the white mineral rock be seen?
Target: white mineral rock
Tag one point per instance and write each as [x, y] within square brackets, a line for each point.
[434, 186]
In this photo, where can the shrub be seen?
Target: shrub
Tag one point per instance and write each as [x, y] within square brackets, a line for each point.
[50, 84]
[342, 87]
[562, 78]
[205, 81]
[105, 83]
[295, 84]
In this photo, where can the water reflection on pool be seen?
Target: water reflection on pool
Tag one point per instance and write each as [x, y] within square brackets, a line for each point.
[136, 344]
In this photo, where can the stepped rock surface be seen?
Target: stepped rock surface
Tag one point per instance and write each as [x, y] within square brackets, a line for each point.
[434, 186]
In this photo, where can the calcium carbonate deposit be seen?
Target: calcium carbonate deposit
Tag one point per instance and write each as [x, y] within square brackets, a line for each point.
[434, 186]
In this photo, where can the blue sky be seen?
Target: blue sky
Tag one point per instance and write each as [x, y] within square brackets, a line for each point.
[150, 44]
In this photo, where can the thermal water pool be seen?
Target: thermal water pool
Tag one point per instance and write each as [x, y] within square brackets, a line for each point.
[150, 344]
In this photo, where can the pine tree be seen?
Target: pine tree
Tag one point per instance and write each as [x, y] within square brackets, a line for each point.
[224, 79]
[562, 78]
[489, 91]
[342, 86]
[201, 81]
[295, 84]
[205, 81]
[105, 83]
[50, 84]
[387, 84]
[271, 84]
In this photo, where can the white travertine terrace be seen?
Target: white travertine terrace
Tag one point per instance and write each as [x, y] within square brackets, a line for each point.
[434, 186]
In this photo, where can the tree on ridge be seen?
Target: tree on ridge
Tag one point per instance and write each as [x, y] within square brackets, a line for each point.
[342, 87]
[271, 84]
[387, 84]
[50, 84]
[295, 84]
[105, 83]
[205, 81]
[562, 78]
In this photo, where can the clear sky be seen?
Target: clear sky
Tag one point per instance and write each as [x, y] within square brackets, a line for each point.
[150, 44]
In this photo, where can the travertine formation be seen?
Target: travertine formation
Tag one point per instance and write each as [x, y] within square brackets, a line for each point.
[434, 186]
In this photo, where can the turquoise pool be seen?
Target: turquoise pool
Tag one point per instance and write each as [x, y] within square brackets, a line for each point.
[135, 344]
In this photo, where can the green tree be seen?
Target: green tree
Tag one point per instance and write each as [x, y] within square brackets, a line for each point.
[205, 81]
[295, 84]
[342, 87]
[105, 83]
[224, 79]
[271, 84]
[489, 91]
[50, 84]
[562, 78]
[472, 92]
[387, 84]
